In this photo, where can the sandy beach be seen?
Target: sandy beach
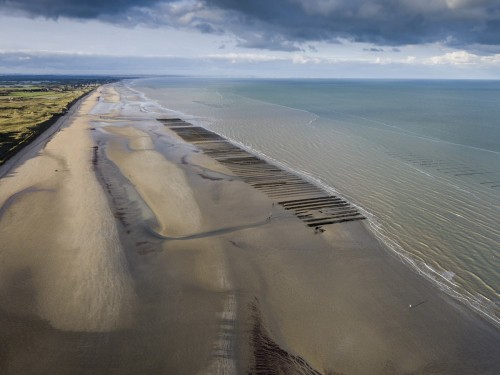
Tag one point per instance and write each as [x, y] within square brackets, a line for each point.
[125, 249]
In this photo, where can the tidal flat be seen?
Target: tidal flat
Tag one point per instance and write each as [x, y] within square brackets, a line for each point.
[133, 246]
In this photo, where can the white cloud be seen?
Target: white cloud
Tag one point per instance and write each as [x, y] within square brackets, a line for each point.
[463, 58]
[303, 59]
[245, 57]
[454, 4]
[410, 59]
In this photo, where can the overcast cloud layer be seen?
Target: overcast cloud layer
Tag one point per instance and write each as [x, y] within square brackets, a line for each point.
[289, 24]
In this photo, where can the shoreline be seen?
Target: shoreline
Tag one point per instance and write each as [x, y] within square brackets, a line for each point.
[473, 302]
[245, 284]
[330, 192]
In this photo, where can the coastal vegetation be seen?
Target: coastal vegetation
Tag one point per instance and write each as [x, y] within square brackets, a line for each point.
[27, 108]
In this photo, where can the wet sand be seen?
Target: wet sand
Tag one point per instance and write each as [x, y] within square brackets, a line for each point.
[126, 250]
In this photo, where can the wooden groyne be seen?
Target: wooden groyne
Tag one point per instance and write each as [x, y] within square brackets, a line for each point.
[308, 202]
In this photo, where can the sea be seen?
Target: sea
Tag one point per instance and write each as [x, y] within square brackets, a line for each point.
[420, 158]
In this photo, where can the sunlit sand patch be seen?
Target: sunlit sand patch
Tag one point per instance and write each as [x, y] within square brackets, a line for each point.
[71, 246]
[110, 95]
[163, 186]
[85, 284]
[137, 139]
[107, 102]
[208, 163]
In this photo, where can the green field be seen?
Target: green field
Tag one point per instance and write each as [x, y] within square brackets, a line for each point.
[26, 110]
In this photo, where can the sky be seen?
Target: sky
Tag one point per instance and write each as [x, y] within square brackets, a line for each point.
[253, 38]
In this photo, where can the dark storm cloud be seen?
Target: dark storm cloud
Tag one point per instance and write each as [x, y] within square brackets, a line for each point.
[207, 28]
[290, 24]
[86, 9]
[382, 22]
